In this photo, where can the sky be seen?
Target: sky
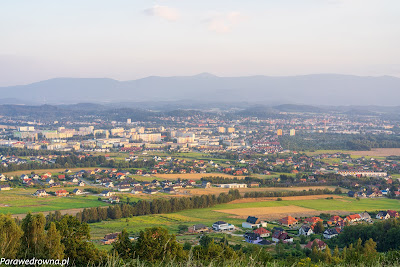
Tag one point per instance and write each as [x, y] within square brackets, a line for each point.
[131, 39]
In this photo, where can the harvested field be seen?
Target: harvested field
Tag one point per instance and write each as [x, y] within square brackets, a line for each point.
[195, 176]
[45, 213]
[218, 190]
[275, 213]
[249, 200]
[377, 152]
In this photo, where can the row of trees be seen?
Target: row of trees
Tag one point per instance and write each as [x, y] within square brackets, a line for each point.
[156, 206]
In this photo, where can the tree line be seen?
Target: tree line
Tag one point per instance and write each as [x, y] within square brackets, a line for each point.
[156, 206]
[386, 233]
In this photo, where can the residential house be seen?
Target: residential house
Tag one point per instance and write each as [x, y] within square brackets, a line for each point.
[393, 214]
[49, 181]
[353, 218]
[150, 191]
[335, 219]
[77, 191]
[40, 193]
[169, 190]
[313, 220]
[252, 222]
[81, 183]
[114, 199]
[262, 232]
[109, 239]
[106, 193]
[5, 187]
[109, 185]
[222, 226]
[2, 178]
[62, 193]
[321, 245]
[281, 236]
[137, 190]
[288, 221]
[383, 215]
[305, 230]
[252, 238]
[365, 217]
[331, 232]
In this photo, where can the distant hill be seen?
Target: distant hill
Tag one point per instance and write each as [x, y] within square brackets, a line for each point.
[318, 89]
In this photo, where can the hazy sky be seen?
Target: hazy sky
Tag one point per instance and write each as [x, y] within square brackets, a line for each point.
[129, 39]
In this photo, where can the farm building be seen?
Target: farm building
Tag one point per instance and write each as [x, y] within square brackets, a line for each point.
[198, 228]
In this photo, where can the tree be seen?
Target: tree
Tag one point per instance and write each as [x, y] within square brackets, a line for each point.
[319, 227]
[279, 249]
[205, 240]
[34, 238]
[75, 236]
[156, 244]
[327, 255]
[123, 246]
[10, 235]
[314, 253]
[369, 250]
[55, 250]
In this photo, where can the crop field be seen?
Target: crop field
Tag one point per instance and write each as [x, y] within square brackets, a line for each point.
[21, 201]
[377, 152]
[217, 190]
[249, 200]
[194, 176]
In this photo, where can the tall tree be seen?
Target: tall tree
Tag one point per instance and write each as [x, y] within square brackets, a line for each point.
[156, 244]
[34, 237]
[54, 247]
[124, 246]
[10, 237]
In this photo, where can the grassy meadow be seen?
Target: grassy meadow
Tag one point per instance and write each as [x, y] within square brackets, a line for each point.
[20, 201]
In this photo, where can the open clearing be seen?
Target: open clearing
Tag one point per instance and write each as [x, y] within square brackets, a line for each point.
[194, 176]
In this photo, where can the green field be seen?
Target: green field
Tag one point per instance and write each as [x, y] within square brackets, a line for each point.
[19, 201]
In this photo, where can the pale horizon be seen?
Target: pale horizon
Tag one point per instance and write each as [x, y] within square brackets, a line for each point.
[127, 40]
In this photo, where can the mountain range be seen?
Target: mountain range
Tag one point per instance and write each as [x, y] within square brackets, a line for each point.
[316, 89]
